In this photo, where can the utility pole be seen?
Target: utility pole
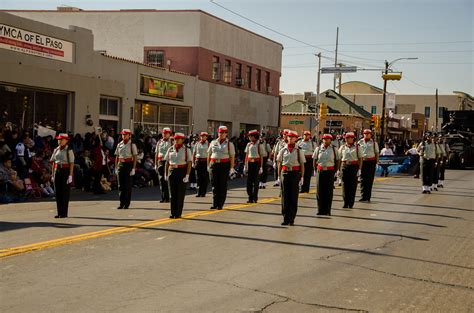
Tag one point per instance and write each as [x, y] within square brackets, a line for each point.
[335, 59]
[316, 113]
[437, 110]
[382, 124]
[340, 78]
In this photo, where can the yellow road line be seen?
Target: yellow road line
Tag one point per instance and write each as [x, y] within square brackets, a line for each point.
[127, 228]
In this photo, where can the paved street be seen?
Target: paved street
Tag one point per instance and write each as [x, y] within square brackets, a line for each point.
[405, 251]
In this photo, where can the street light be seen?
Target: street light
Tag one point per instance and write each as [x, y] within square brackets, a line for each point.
[387, 67]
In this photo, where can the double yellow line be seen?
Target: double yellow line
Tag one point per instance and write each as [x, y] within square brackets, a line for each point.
[127, 228]
[117, 230]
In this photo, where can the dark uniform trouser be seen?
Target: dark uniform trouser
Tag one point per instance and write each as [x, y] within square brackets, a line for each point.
[192, 177]
[367, 178]
[165, 194]
[62, 190]
[436, 172]
[325, 189]
[427, 171]
[290, 193]
[177, 190]
[264, 176]
[202, 177]
[125, 183]
[275, 168]
[252, 180]
[442, 169]
[219, 175]
[308, 172]
[349, 183]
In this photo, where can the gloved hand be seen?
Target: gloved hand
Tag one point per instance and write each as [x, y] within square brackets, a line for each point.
[301, 182]
[69, 180]
[278, 180]
[166, 177]
[315, 173]
[358, 173]
[186, 179]
[260, 171]
[132, 172]
[246, 171]
[275, 165]
[231, 172]
[52, 179]
[338, 173]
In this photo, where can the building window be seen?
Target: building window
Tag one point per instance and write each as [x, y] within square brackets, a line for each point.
[109, 106]
[248, 77]
[373, 109]
[441, 111]
[227, 72]
[257, 79]
[267, 87]
[216, 68]
[427, 111]
[154, 117]
[238, 74]
[155, 57]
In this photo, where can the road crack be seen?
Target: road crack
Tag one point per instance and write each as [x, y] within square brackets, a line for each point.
[283, 299]
[386, 244]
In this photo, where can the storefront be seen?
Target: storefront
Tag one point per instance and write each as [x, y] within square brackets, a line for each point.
[23, 107]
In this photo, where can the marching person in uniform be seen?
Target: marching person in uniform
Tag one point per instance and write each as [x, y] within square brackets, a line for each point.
[63, 169]
[307, 146]
[338, 142]
[351, 164]
[427, 151]
[161, 148]
[200, 164]
[444, 147]
[266, 150]
[370, 158]
[279, 144]
[125, 163]
[439, 157]
[290, 161]
[178, 165]
[221, 158]
[253, 165]
[326, 162]
[192, 176]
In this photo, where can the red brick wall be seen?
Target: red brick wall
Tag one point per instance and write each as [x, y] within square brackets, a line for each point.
[198, 61]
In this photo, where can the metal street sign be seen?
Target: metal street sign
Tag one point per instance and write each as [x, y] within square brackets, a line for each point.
[343, 69]
[295, 122]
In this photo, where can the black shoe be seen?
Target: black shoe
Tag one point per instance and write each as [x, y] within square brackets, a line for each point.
[198, 196]
[351, 206]
[363, 200]
[125, 207]
[292, 224]
[429, 191]
[172, 216]
[212, 208]
[249, 201]
[424, 191]
[162, 201]
[219, 208]
[119, 207]
[345, 206]
[57, 216]
[285, 223]
[177, 216]
[255, 201]
[320, 213]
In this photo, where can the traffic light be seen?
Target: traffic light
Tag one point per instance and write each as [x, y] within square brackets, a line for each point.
[392, 76]
[377, 121]
[323, 110]
[373, 121]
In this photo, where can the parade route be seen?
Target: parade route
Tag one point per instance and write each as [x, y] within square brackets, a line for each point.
[403, 252]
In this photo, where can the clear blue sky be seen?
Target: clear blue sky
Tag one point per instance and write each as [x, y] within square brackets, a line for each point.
[370, 32]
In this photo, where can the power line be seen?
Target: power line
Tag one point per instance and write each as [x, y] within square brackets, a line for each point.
[285, 35]
[413, 51]
[390, 43]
